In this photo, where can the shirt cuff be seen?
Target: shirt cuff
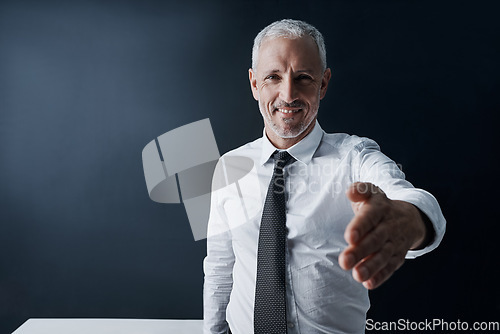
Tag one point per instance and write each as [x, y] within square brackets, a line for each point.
[430, 207]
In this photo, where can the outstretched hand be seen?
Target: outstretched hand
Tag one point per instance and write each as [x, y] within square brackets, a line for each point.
[379, 235]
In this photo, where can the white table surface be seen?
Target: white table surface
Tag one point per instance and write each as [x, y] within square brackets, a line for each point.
[109, 326]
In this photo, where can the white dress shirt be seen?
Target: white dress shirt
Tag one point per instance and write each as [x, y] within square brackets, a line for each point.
[321, 296]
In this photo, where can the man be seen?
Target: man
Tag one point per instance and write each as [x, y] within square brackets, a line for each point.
[294, 248]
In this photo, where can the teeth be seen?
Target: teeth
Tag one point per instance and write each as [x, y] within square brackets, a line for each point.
[287, 111]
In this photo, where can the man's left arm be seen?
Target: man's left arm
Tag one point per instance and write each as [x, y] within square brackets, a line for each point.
[389, 225]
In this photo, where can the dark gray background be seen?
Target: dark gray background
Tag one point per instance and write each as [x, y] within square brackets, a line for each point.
[85, 85]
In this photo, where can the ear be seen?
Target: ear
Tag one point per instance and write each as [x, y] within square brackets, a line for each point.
[253, 84]
[324, 82]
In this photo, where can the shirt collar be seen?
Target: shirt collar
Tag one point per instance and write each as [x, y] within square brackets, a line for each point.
[301, 151]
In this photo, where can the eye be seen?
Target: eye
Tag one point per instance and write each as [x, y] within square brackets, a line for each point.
[272, 77]
[304, 77]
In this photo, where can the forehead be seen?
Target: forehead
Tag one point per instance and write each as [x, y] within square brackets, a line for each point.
[298, 53]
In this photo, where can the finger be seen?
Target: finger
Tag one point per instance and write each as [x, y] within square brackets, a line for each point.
[373, 242]
[385, 273]
[372, 264]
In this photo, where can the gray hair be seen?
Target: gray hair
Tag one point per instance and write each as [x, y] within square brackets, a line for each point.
[289, 29]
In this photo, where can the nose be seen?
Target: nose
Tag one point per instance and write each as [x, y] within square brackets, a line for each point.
[288, 90]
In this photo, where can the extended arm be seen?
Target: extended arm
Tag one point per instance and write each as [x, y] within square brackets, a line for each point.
[388, 226]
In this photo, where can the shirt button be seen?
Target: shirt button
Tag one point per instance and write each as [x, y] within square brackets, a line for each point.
[290, 325]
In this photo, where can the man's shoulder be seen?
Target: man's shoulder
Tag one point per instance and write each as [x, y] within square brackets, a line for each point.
[344, 142]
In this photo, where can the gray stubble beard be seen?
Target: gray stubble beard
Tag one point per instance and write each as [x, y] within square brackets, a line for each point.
[276, 129]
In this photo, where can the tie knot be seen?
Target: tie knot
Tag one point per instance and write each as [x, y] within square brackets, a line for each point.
[281, 158]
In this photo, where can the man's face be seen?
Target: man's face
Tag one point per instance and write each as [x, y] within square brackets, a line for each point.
[288, 82]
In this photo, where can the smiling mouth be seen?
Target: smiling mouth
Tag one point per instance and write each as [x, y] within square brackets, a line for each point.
[288, 111]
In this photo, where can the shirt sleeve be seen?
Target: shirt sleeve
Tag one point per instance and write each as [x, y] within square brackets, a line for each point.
[218, 269]
[377, 168]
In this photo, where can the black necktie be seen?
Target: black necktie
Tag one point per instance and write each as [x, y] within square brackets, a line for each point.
[270, 293]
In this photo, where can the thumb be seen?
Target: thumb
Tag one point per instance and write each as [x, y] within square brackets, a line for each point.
[361, 191]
